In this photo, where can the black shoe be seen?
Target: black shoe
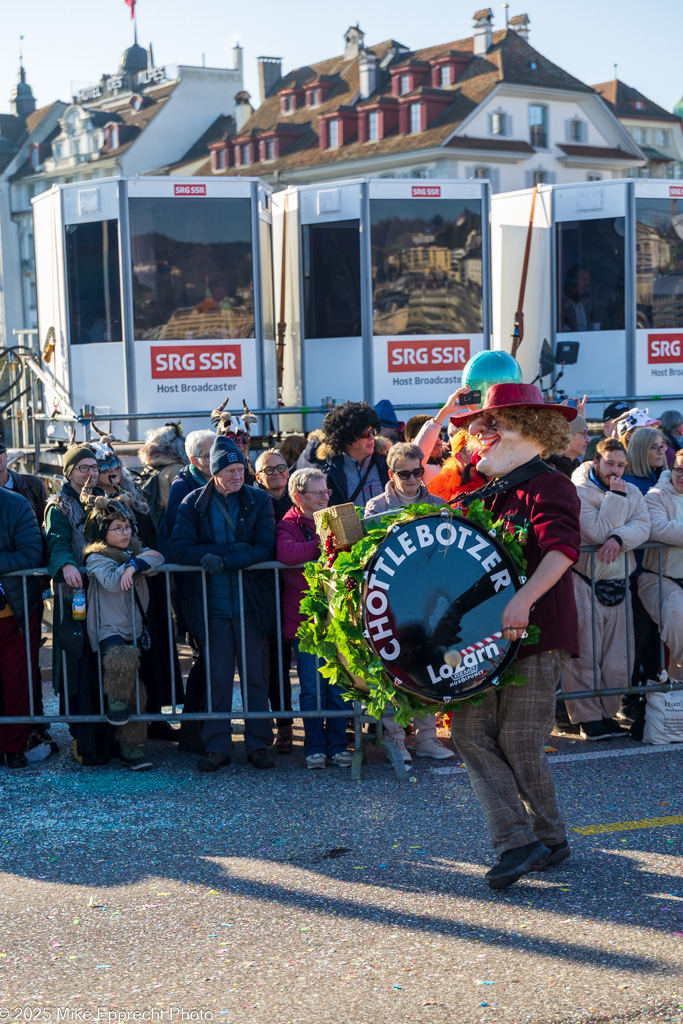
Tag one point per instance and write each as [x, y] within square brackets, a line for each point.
[614, 727]
[515, 863]
[45, 737]
[558, 853]
[595, 731]
[117, 712]
[213, 761]
[260, 759]
[566, 729]
[16, 760]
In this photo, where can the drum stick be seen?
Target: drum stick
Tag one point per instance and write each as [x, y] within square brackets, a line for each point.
[453, 656]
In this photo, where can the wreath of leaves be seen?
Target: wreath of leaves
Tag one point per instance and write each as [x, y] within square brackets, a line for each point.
[332, 605]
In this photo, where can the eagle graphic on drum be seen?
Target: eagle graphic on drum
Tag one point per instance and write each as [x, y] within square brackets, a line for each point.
[433, 597]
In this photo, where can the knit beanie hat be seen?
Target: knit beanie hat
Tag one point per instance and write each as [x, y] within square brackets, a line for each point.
[223, 453]
[75, 454]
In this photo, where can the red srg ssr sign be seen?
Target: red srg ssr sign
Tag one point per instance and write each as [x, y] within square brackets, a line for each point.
[407, 355]
[676, 190]
[426, 192]
[665, 348]
[189, 190]
[181, 361]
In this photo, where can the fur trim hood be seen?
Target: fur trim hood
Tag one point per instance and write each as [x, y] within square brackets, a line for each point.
[156, 453]
[100, 547]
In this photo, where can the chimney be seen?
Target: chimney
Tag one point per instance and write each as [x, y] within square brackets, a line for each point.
[269, 74]
[237, 64]
[367, 72]
[353, 41]
[483, 31]
[520, 23]
[243, 110]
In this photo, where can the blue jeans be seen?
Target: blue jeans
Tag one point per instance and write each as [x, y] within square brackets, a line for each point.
[321, 735]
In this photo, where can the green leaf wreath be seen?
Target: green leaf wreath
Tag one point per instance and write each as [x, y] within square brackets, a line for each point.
[332, 606]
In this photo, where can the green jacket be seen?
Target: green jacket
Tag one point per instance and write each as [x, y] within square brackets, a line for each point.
[60, 553]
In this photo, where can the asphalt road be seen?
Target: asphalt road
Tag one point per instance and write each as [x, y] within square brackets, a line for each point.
[300, 897]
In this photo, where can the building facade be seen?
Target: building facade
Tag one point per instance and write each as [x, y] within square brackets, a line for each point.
[488, 106]
[130, 122]
[657, 132]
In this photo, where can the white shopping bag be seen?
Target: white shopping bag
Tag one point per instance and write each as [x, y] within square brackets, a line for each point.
[664, 718]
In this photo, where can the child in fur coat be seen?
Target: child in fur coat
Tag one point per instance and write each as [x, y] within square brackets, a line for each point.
[117, 562]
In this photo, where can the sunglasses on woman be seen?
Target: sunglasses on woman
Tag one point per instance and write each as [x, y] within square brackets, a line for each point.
[370, 432]
[405, 474]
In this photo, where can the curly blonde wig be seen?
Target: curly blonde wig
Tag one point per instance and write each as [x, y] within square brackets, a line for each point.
[546, 426]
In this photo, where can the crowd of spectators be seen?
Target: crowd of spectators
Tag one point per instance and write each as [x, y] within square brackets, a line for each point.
[200, 502]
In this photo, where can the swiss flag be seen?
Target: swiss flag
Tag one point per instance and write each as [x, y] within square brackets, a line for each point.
[131, 4]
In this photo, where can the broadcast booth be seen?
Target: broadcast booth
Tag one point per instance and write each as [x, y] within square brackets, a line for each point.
[604, 287]
[156, 294]
[384, 288]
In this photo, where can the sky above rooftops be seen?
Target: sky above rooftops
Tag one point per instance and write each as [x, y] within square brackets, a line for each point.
[71, 44]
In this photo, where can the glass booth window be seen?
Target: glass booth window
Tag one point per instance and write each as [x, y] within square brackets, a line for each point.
[331, 267]
[590, 275]
[426, 266]
[659, 263]
[192, 268]
[92, 255]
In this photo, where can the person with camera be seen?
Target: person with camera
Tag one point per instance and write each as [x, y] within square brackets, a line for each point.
[614, 516]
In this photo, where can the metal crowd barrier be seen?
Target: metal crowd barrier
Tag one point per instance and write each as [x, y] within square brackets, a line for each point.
[354, 710]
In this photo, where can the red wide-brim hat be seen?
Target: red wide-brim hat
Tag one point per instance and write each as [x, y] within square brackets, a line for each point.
[505, 396]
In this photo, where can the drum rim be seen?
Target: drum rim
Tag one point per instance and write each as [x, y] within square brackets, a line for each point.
[491, 681]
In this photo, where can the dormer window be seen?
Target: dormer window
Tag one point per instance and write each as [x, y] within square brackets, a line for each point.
[637, 104]
[113, 136]
[446, 74]
[405, 84]
[333, 136]
[290, 100]
[373, 125]
[415, 117]
[269, 150]
[313, 97]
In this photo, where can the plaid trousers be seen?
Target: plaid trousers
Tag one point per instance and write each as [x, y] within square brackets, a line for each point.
[501, 742]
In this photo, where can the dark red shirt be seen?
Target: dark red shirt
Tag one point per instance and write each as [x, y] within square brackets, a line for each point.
[549, 505]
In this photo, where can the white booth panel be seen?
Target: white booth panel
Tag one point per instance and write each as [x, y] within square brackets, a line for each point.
[659, 362]
[420, 368]
[89, 201]
[333, 368]
[330, 202]
[590, 201]
[98, 378]
[410, 188]
[601, 367]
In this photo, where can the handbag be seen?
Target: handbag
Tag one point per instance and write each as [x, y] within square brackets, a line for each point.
[145, 638]
[609, 593]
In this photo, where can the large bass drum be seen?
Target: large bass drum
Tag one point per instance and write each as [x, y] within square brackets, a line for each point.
[433, 597]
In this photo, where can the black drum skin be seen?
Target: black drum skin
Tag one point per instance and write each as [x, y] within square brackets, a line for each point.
[440, 582]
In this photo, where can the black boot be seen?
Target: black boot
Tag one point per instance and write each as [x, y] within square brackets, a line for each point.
[515, 863]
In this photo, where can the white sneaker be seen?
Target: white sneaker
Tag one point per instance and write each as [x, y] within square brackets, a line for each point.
[342, 760]
[400, 744]
[316, 761]
[433, 748]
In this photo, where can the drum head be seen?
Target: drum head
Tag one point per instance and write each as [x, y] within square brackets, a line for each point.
[436, 585]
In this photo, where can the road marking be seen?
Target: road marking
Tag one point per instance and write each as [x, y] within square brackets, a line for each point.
[627, 826]
[590, 755]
